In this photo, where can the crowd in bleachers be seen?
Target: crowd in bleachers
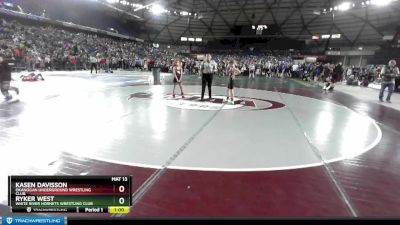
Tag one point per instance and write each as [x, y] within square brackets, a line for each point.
[351, 75]
[43, 47]
[273, 65]
[51, 48]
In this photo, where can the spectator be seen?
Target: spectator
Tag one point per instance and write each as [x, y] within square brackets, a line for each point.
[93, 64]
[5, 79]
[388, 75]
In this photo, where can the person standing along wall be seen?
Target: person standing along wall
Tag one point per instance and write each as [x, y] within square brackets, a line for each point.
[389, 73]
[252, 70]
[5, 79]
[281, 70]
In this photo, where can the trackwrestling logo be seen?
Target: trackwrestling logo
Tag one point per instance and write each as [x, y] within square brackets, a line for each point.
[33, 220]
[192, 101]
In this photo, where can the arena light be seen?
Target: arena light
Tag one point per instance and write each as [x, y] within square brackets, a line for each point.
[336, 36]
[184, 39]
[191, 39]
[325, 36]
[199, 39]
[263, 27]
[259, 27]
[157, 9]
[135, 5]
[344, 6]
[112, 1]
[316, 37]
[317, 12]
[8, 4]
[381, 2]
[388, 37]
[184, 13]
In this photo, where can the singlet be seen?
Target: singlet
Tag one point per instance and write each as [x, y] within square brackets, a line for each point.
[230, 71]
[178, 70]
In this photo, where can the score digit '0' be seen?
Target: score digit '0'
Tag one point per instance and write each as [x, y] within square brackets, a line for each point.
[121, 200]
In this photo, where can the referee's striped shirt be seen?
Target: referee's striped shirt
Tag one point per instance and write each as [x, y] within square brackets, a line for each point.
[208, 67]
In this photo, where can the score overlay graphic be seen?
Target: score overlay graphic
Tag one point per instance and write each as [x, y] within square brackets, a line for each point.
[70, 194]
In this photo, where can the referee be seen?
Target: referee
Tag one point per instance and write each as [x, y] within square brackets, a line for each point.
[207, 69]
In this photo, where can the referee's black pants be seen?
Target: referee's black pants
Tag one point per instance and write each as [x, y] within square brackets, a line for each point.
[93, 65]
[206, 80]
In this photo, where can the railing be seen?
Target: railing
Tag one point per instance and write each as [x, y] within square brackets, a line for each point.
[19, 65]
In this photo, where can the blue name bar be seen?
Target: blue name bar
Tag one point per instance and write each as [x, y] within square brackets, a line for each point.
[16, 220]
